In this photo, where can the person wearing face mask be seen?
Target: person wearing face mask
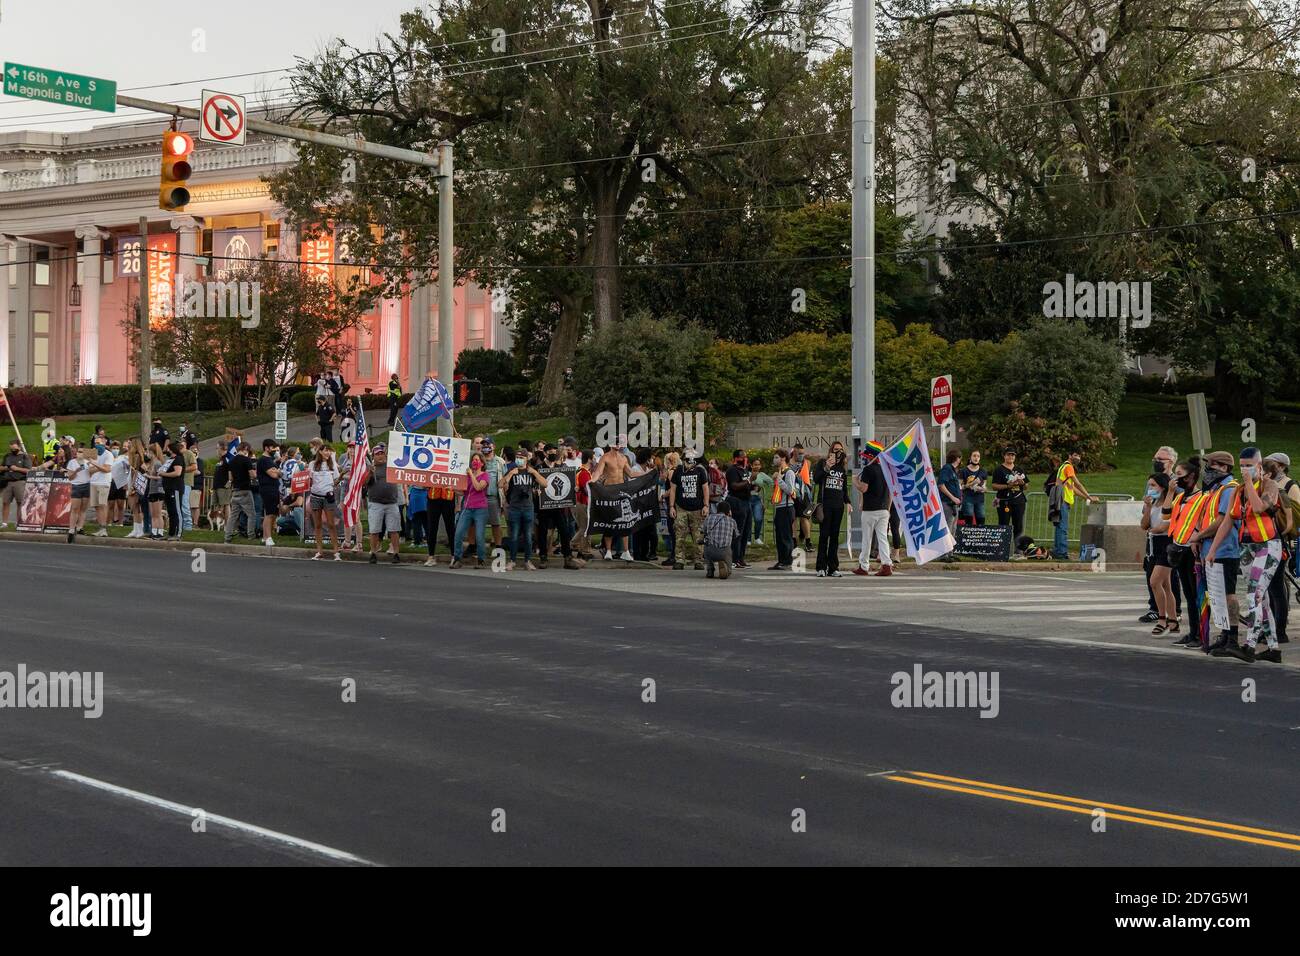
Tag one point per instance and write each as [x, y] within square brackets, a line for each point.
[1220, 550]
[13, 481]
[473, 512]
[1157, 509]
[558, 519]
[974, 485]
[740, 489]
[1261, 523]
[1163, 463]
[1187, 513]
[1276, 465]
[517, 494]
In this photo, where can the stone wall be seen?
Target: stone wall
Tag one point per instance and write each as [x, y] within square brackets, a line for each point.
[816, 430]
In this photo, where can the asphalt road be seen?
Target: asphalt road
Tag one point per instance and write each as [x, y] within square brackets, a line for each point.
[478, 693]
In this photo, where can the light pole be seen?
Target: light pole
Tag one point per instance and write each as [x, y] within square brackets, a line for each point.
[863, 280]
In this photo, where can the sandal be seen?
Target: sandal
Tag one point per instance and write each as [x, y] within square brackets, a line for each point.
[1173, 625]
[1159, 628]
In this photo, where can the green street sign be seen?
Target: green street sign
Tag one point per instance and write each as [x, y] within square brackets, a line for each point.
[66, 89]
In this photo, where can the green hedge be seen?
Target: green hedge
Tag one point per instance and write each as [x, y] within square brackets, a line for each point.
[808, 372]
[497, 396]
[59, 401]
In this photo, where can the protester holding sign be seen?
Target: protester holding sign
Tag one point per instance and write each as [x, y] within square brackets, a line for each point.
[831, 478]
[688, 502]
[473, 513]
[1009, 487]
[874, 490]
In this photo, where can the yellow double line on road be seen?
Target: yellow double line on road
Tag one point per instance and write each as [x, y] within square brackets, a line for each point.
[1056, 801]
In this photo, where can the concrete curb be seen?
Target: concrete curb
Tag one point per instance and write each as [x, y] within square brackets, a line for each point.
[258, 550]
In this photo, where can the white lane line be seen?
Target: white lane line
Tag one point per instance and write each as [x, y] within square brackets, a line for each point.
[1022, 599]
[319, 849]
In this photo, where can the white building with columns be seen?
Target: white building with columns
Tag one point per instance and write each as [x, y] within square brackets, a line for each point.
[70, 205]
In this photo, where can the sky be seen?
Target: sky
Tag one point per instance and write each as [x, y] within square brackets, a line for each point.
[143, 43]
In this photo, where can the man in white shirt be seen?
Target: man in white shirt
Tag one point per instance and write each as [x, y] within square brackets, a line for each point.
[121, 478]
[100, 461]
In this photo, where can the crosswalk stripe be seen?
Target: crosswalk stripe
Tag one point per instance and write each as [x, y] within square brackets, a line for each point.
[1018, 598]
[1009, 606]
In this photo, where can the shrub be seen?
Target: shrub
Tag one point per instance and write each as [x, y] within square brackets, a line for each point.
[489, 366]
[640, 361]
[1042, 442]
[1051, 363]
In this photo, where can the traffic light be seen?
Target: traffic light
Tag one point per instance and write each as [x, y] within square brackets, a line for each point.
[469, 391]
[173, 193]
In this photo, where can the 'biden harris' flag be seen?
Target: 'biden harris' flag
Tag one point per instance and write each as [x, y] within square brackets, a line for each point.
[910, 477]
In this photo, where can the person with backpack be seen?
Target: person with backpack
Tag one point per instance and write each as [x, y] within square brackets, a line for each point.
[1277, 466]
[1061, 498]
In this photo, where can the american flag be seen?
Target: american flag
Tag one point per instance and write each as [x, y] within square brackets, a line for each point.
[360, 472]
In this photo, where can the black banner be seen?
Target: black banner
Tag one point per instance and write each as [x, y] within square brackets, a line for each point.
[992, 542]
[559, 489]
[625, 508]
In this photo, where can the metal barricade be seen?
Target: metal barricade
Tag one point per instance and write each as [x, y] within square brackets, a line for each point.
[1041, 530]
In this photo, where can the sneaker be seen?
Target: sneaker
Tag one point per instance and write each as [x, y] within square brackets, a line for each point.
[3, 525]
[101, 533]
[667, 563]
[777, 567]
[396, 558]
[1272, 655]
[71, 537]
[510, 565]
[709, 572]
[1018, 556]
[530, 566]
[374, 557]
[758, 541]
[724, 570]
[1187, 641]
[821, 574]
[835, 574]
[432, 561]
[678, 566]
[317, 556]
[699, 565]
[861, 572]
[572, 564]
[609, 555]
[1150, 617]
[337, 556]
[269, 542]
[741, 565]
[455, 564]
[626, 556]
[885, 571]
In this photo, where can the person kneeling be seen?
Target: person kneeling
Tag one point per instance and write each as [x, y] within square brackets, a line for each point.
[720, 530]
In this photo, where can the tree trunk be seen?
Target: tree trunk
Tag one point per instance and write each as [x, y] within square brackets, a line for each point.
[564, 344]
[1233, 399]
[606, 289]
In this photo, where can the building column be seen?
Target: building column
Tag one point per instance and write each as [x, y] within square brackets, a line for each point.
[92, 274]
[288, 246]
[417, 364]
[4, 311]
[187, 247]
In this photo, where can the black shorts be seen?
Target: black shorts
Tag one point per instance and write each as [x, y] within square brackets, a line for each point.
[1231, 571]
[117, 494]
[81, 491]
[270, 502]
[1159, 550]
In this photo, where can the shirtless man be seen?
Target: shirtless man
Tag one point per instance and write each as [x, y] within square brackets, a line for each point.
[614, 468]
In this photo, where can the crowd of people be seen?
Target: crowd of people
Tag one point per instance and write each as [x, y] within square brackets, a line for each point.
[1222, 549]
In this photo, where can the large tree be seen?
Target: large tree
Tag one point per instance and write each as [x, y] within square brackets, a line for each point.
[568, 117]
[1121, 123]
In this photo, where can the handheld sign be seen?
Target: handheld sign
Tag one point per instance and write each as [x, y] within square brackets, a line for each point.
[300, 483]
[431, 461]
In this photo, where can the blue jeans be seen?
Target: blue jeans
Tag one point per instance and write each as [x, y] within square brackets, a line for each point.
[519, 519]
[972, 506]
[756, 509]
[478, 518]
[1060, 540]
[187, 515]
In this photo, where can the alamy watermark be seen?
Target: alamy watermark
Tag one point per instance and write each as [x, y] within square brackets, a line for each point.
[38, 689]
[215, 298]
[651, 429]
[954, 689]
[1084, 299]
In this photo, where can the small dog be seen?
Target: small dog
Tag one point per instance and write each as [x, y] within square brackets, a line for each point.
[216, 521]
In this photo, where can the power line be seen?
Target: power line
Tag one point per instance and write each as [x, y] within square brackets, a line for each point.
[907, 253]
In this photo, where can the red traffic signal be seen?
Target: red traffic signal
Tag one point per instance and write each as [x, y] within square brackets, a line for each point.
[173, 193]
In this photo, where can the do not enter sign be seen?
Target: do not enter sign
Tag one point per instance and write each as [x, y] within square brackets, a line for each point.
[940, 399]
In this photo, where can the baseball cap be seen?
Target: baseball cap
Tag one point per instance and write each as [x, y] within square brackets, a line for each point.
[379, 447]
[487, 443]
[1282, 459]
